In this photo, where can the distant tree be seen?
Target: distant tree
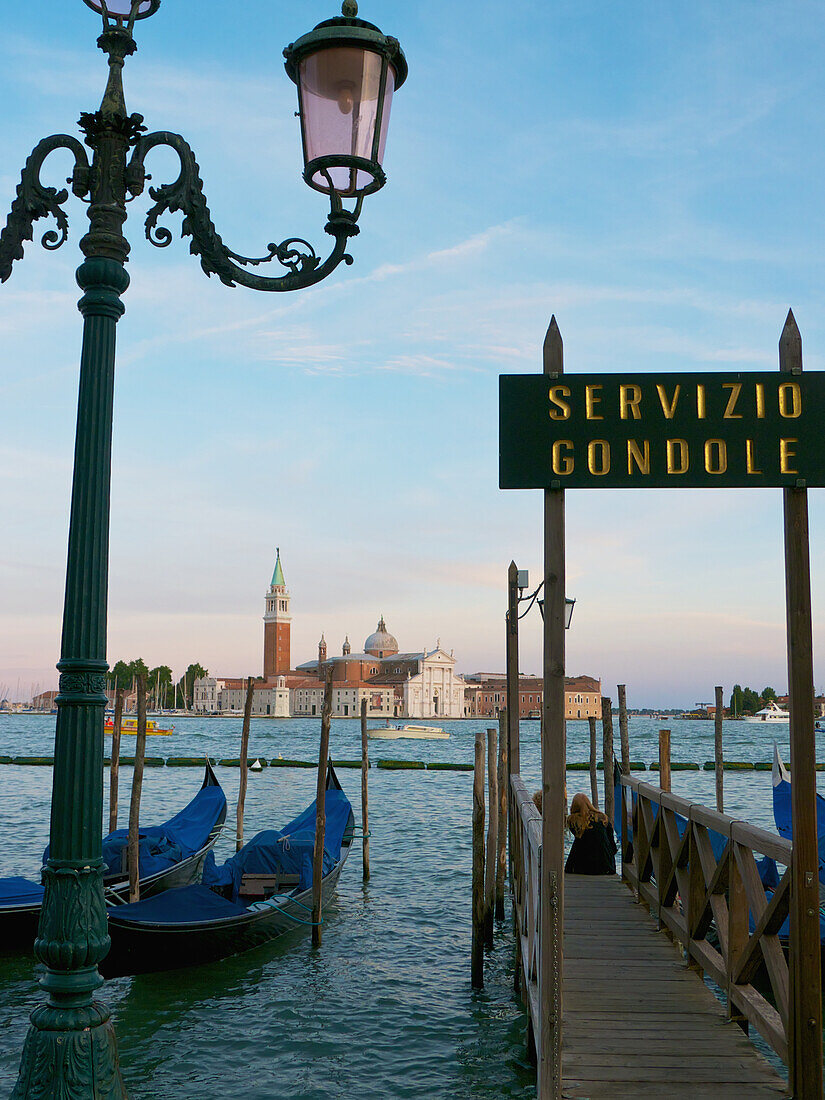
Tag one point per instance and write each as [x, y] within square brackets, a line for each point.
[121, 675]
[159, 682]
[751, 702]
[735, 705]
[187, 681]
[768, 696]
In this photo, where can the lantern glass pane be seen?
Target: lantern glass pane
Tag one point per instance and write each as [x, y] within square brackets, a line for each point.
[340, 89]
[122, 8]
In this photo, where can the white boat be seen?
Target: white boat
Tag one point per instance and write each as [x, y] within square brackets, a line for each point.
[771, 713]
[419, 733]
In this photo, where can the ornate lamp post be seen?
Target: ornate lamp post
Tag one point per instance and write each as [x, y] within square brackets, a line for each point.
[346, 71]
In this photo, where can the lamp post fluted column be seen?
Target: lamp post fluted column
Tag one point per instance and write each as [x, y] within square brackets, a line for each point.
[71, 1037]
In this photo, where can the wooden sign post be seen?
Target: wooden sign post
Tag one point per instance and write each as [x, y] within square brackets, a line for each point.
[806, 992]
[718, 429]
[553, 767]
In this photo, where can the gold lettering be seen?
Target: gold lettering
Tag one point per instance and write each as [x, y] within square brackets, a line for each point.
[639, 455]
[718, 463]
[680, 464]
[563, 463]
[750, 457]
[785, 455]
[701, 403]
[760, 400]
[793, 390]
[629, 400]
[735, 389]
[668, 407]
[601, 467]
[562, 410]
[591, 401]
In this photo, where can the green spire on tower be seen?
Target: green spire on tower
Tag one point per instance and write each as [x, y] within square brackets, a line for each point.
[278, 575]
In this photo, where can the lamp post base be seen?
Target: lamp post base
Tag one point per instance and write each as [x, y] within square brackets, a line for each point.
[62, 1062]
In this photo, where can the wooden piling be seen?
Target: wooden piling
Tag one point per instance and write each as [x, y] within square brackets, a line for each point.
[133, 849]
[492, 835]
[244, 758]
[607, 756]
[503, 793]
[365, 817]
[477, 948]
[718, 759]
[114, 767]
[805, 1046]
[321, 814]
[664, 759]
[594, 774]
[623, 734]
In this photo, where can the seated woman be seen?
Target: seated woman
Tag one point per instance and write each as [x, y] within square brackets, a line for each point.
[594, 846]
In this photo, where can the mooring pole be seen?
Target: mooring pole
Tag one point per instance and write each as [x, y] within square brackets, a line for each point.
[623, 734]
[594, 778]
[512, 685]
[553, 765]
[477, 943]
[501, 845]
[492, 835]
[114, 759]
[607, 756]
[718, 757]
[805, 1053]
[133, 843]
[244, 762]
[664, 759]
[321, 815]
[365, 815]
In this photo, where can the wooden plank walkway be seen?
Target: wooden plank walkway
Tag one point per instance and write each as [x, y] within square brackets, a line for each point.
[637, 1022]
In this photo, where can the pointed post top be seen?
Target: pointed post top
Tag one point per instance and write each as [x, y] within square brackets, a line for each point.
[553, 349]
[790, 346]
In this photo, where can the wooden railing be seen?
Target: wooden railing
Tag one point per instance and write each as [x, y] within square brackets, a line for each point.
[526, 880]
[696, 871]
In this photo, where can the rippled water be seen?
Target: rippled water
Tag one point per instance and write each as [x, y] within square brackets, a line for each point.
[384, 1009]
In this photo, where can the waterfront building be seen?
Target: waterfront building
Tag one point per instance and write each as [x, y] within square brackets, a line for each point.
[487, 695]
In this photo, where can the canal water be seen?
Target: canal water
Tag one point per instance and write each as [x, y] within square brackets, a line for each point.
[385, 1008]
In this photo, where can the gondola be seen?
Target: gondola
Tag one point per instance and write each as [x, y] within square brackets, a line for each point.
[258, 894]
[782, 817]
[170, 855]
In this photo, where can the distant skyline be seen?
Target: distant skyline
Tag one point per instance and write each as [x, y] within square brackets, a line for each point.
[651, 175]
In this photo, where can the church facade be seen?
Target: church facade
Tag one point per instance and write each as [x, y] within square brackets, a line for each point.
[416, 684]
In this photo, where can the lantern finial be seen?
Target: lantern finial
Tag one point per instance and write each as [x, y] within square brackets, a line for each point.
[349, 9]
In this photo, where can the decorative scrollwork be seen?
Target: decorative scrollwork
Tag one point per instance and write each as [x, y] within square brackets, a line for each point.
[304, 266]
[34, 200]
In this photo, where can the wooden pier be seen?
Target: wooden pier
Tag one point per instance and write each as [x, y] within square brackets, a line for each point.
[637, 1018]
[637, 1021]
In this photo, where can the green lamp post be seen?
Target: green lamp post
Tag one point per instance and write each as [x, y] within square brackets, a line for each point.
[346, 71]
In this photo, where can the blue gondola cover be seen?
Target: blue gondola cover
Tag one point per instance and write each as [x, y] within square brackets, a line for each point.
[288, 850]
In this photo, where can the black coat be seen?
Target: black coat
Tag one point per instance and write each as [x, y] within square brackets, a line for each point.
[594, 852]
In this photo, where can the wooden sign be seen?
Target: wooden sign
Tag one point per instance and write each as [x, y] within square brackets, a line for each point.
[661, 431]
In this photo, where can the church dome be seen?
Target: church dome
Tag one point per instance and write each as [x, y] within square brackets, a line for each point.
[381, 643]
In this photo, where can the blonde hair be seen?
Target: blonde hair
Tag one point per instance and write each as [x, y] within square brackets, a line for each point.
[583, 814]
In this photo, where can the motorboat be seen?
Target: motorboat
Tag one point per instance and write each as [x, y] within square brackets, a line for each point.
[129, 727]
[771, 713]
[414, 733]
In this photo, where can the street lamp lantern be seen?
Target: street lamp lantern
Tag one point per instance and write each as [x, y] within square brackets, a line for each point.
[346, 71]
[568, 611]
[124, 9]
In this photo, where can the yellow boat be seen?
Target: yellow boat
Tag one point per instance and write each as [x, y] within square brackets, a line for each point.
[129, 726]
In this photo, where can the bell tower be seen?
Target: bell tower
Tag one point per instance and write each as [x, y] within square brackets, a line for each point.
[277, 621]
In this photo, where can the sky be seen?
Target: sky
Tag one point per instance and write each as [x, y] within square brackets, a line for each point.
[651, 174]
